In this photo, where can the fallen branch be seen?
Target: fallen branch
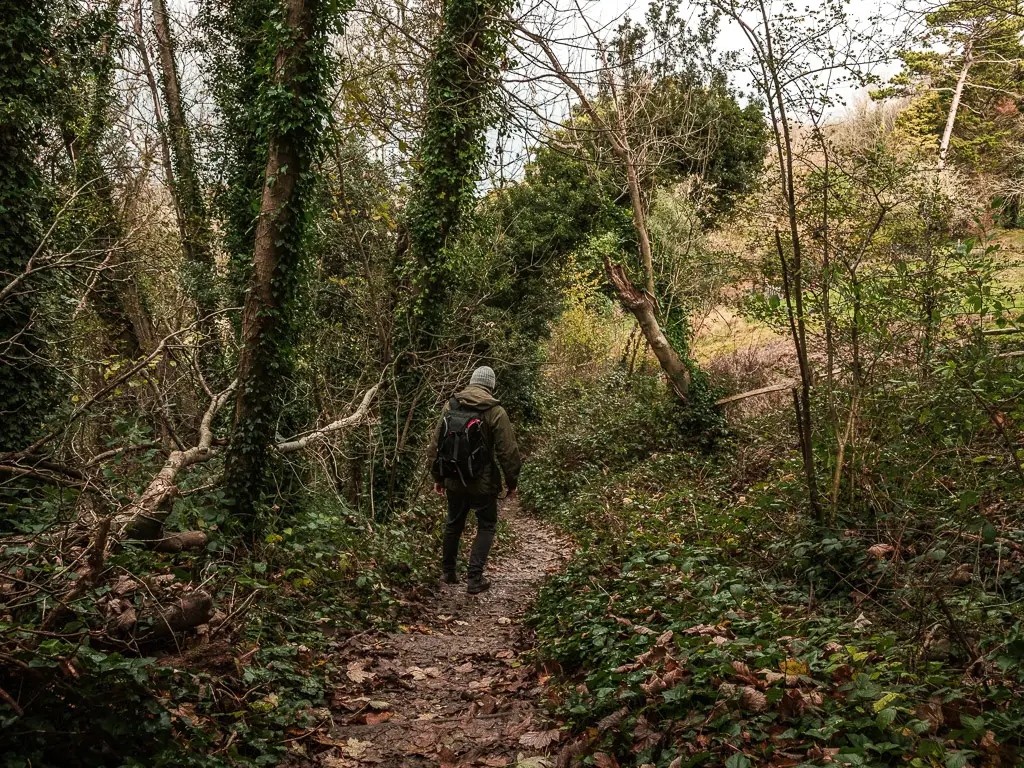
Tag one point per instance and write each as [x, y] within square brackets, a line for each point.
[144, 518]
[788, 384]
[1001, 331]
[356, 417]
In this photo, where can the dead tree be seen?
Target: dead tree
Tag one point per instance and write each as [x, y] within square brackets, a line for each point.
[641, 304]
[613, 126]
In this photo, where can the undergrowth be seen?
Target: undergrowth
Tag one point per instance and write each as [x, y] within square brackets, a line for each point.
[705, 621]
[254, 683]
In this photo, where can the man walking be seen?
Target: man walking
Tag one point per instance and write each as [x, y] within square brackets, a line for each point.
[472, 441]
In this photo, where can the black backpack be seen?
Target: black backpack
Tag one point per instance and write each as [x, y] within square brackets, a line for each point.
[463, 444]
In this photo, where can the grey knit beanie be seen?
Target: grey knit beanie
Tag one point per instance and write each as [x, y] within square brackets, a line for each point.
[483, 377]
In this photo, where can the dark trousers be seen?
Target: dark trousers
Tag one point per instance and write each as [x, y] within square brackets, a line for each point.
[459, 506]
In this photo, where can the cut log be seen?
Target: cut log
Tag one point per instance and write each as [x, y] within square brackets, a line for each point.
[755, 392]
[177, 542]
[188, 611]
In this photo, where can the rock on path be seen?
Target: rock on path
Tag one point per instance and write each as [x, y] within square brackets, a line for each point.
[452, 691]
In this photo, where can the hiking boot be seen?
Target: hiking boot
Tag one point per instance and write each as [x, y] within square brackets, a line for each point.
[450, 577]
[477, 584]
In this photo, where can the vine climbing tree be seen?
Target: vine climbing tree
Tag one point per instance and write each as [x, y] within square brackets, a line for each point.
[193, 218]
[460, 82]
[291, 108]
[24, 375]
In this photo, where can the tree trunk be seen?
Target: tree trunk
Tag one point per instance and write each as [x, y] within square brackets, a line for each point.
[954, 107]
[461, 77]
[640, 225]
[642, 307]
[194, 224]
[270, 303]
[119, 299]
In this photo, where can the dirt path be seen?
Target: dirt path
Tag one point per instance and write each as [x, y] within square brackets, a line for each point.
[452, 691]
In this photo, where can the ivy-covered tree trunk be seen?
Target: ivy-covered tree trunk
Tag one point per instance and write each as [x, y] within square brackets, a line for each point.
[194, 223]
[291, 105]
[25, 379]
[118, 299]
[460, 82]
[237, 48]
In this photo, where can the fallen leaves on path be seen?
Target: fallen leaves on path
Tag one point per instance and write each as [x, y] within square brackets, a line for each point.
[452, 689]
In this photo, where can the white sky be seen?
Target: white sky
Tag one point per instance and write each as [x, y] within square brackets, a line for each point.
[732, 39]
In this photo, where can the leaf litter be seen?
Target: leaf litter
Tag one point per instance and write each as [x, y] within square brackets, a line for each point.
[450, 691]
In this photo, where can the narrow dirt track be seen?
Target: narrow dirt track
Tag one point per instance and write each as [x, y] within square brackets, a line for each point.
[451, 691]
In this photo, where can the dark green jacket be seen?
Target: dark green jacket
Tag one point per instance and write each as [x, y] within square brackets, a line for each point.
[505, 450]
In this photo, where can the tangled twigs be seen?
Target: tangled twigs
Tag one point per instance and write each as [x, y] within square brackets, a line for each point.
[12, 703]
[96, 557]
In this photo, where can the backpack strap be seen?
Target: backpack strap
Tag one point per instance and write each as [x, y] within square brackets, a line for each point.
[454, 404]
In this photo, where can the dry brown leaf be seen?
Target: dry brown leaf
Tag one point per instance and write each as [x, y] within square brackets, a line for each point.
[426, 738]
[540, 739]
[356, 748]
[601, 760]
[708, 630]
[654, 685]
[612, 720]
[879, 551]
[356, 672]
[674, 677]
[374, 718]
[644, 737]
[753, 700]
[741, 669]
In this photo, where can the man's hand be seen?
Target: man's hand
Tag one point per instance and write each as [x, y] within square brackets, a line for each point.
[439, 489]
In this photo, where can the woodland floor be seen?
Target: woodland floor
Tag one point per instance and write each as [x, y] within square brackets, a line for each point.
[453, 690]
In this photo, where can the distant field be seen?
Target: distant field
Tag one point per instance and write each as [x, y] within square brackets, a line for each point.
[1011, 243]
